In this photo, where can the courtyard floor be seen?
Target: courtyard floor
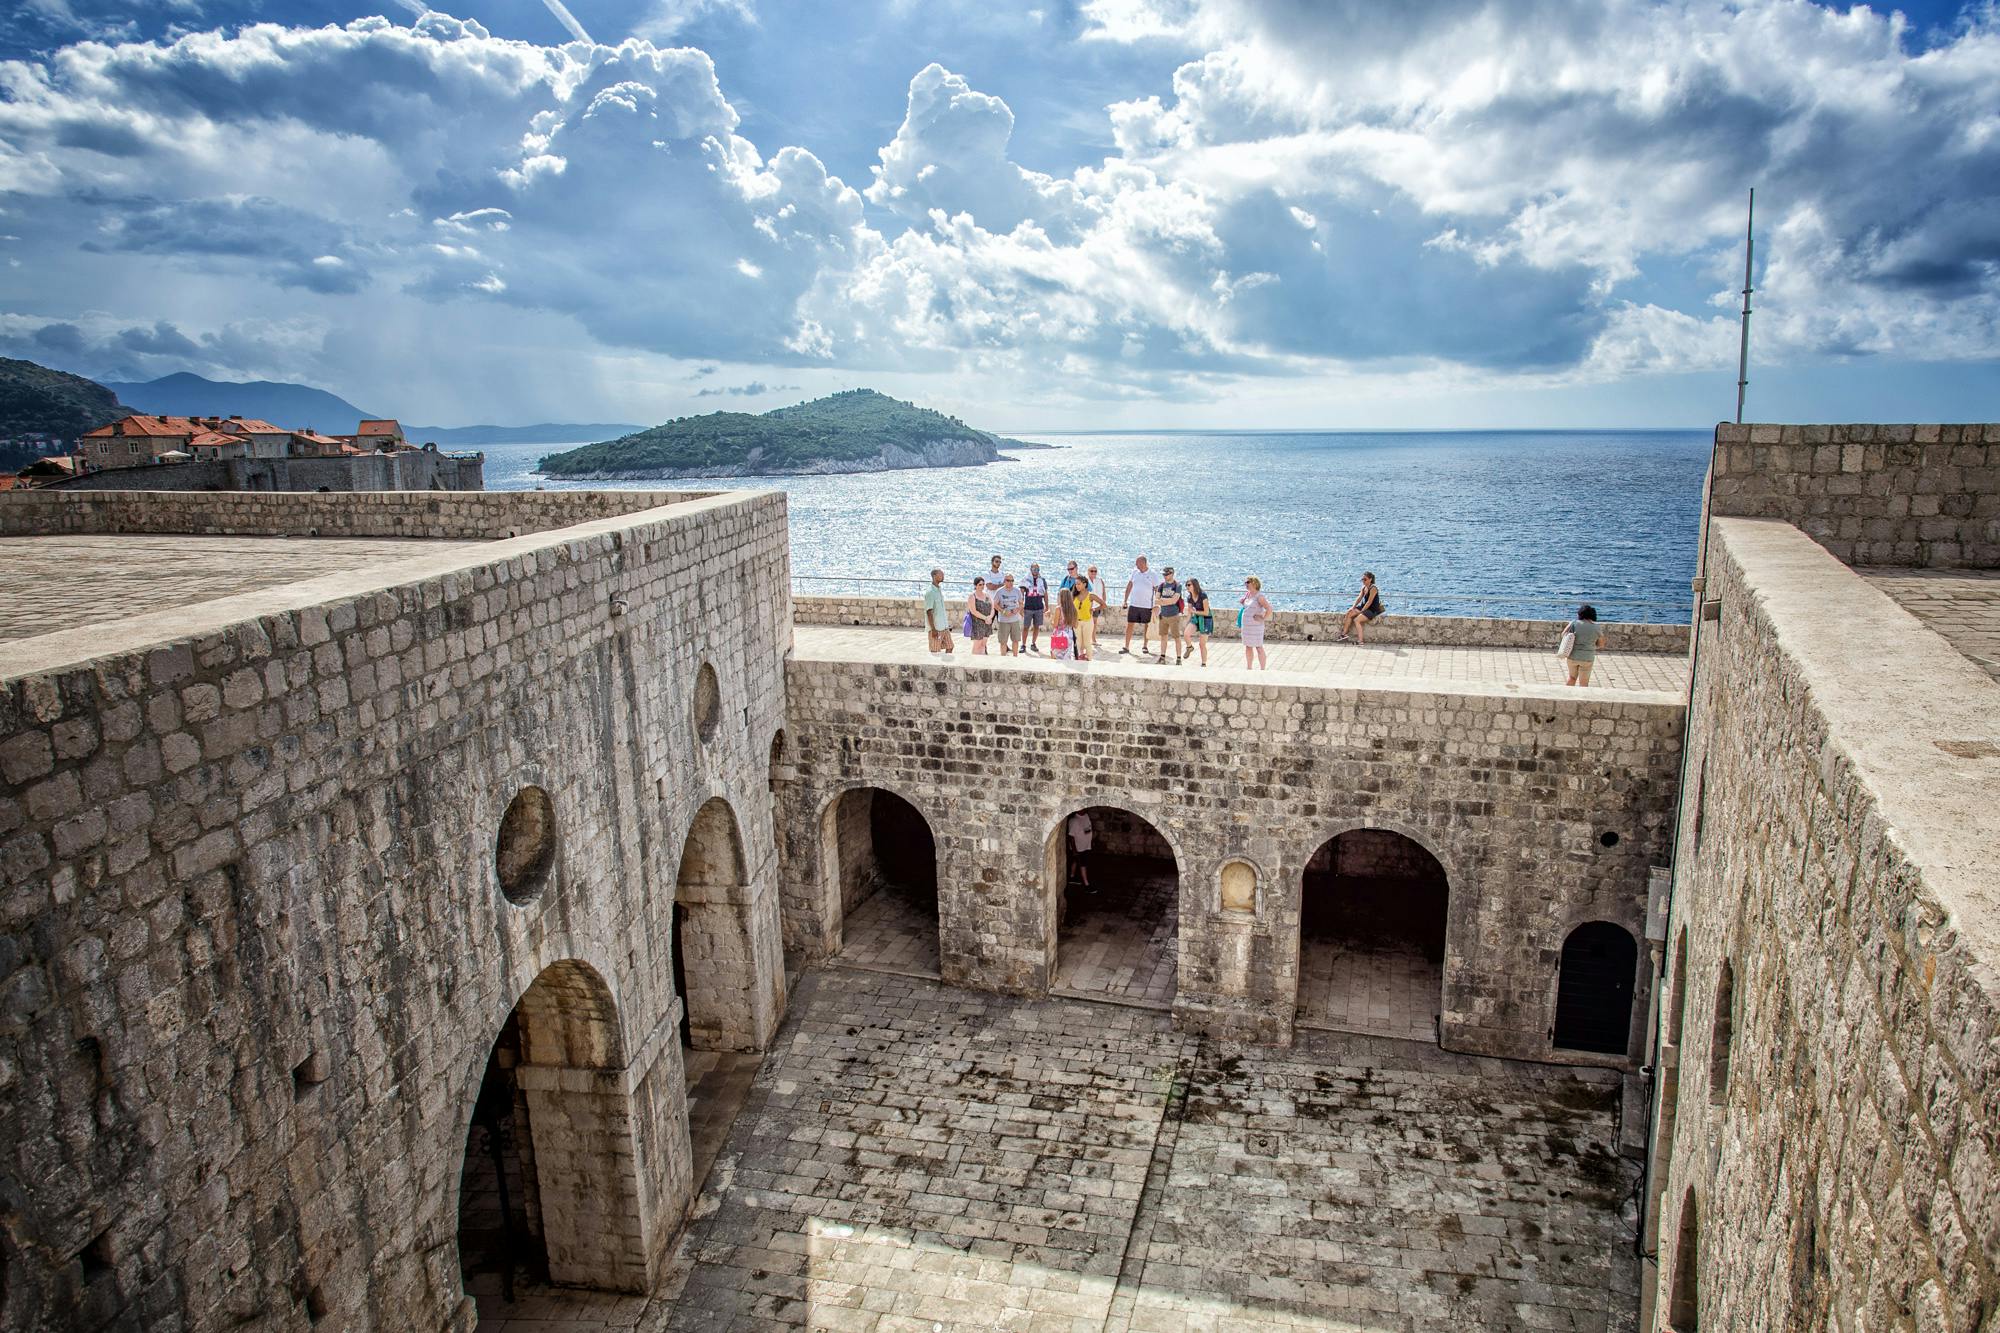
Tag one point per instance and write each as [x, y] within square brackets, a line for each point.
[895, 929]
[914, 1157]
[1120, 940]
[1382, 992]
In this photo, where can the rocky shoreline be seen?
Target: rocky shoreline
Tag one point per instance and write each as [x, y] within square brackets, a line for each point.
[893, 458]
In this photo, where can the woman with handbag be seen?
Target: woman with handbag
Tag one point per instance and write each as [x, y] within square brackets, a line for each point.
[1581, 639]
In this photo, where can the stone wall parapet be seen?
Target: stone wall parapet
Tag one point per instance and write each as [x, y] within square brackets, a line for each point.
[458, 515]
[1909, 495]
[1297, 626]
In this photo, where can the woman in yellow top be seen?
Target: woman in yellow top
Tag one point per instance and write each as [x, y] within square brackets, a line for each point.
[1088, 604]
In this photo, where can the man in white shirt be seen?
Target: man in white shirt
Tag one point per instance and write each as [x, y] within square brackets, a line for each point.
[1080, 839]
[1139, 590]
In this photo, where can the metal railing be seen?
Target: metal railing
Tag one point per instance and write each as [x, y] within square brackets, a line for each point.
[1400, 599]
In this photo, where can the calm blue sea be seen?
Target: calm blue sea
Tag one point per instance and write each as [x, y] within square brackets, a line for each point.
[1452, 522]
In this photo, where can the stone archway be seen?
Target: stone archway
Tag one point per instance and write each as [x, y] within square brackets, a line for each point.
[716, 970]
[572, 1173]
[1113, 885]
[1594, 985]
[1372, 925]
[880, 866]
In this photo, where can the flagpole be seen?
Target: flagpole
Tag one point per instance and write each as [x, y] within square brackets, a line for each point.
[1743, 349]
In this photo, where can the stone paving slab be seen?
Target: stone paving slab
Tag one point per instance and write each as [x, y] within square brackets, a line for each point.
[66, 582]
[1961, 604]
[919, 1158]
[1322, 664]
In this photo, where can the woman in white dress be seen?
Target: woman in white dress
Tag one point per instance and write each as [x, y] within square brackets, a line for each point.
[1253, 614]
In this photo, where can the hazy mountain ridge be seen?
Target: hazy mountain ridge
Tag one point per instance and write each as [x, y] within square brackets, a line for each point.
[300, 406]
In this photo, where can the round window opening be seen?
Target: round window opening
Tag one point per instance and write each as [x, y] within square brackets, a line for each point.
[527, 844]
[707, 703]
[1607, 838]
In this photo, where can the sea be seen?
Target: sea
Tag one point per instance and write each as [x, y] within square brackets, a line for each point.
[1500, 523]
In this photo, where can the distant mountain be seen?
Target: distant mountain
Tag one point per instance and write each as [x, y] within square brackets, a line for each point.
[35, 400]
[548, 432]
[855, 431]
[298, 406]
[293, 406]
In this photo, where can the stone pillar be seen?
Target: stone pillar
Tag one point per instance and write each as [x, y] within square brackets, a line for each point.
[728, 969]
[613, 1165]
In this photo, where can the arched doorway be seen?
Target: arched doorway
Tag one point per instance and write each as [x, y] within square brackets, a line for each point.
[1115, 890]
[554, 1181]
[1684, 1297]
[1372, 917]
[881, 872]
[1594, 983]
[715, 968]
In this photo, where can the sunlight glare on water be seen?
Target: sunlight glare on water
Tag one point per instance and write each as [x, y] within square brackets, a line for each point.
[1452, 522]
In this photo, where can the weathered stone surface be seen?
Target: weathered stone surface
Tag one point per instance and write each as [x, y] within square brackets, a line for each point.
[255, 954]
[1545, 807]
[1827, 1126]
[1873, 495]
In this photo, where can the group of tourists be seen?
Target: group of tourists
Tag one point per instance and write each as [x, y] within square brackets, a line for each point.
[1020, 613]
[1026, 614]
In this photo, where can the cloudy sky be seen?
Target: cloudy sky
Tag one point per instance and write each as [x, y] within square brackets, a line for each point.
[1110, 213]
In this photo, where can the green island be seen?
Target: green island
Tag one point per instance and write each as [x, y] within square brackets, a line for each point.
[858, 430]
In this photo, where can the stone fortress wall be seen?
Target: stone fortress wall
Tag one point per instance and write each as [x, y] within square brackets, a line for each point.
[270, 896]
[275, 876]
[1545, 807]
[404, 470]
[1826, 1127]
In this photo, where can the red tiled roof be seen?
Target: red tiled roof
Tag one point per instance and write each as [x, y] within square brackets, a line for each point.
[386, 426]
[145, 425]
[313, 437]
[209, 439]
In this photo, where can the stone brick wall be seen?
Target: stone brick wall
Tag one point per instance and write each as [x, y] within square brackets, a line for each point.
[404, 470]
[1511, 790]
[1872, 495]
[1297, 626]
[456, 515]
[1829, 1129]
[255, 954]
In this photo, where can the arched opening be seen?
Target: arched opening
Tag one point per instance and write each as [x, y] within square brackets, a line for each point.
[551, 1184]
[1594, 983]
[707, 703]
[881, 872]
[1684, 1299]
[1677, 1015]
[1115, 887]
[715, 972]
[1372, 917]
[1721, 1034]
[777, 773]
[525, 848]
